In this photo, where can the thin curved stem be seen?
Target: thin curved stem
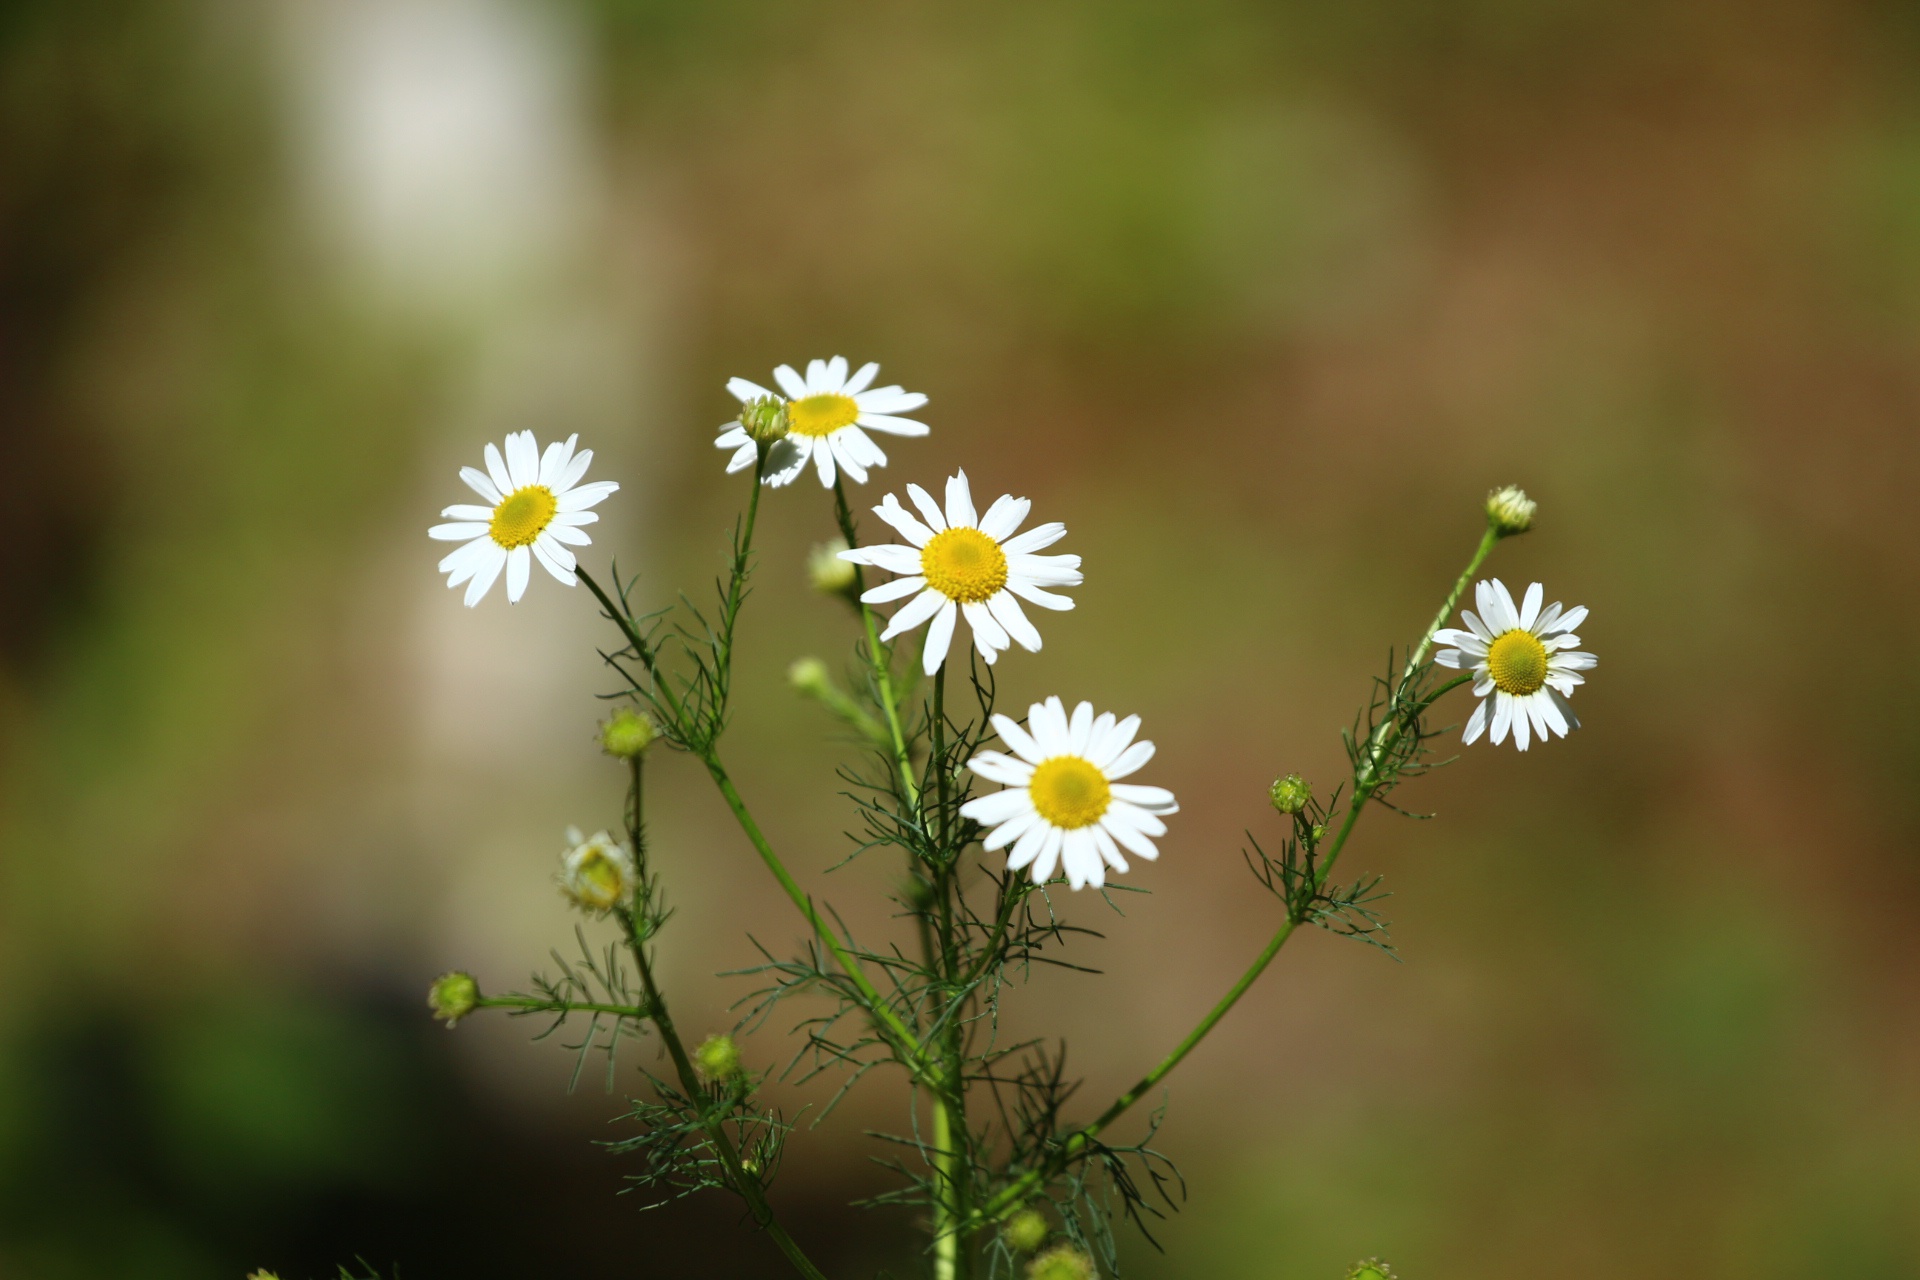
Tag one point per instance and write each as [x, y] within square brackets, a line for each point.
[879, 656]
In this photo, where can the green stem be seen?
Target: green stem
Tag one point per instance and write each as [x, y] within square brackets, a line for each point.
[878, 655]
[1366, 780]
[950, 1254]
[558, 1006]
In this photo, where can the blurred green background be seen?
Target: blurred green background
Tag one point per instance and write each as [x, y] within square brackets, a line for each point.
[1259, 299]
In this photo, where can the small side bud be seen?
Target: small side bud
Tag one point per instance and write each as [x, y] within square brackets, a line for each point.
[765, 419]
[1062, 1262]
[1510, 511]
[452, 997]
[829, 574]
[1319, 832]
[810, 676]
[1290, 794]
[596, 874]
[1370, 1269]
[627, 733]
[262, 1275]
[1026, 1230]
[718, 1059]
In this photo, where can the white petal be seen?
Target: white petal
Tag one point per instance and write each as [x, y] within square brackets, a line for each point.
[569, 534]
[1007, 612]
[894, 590]
[915, 612]
[891, 425]
[841, 454]
[553, 463]
[1082, 859]
[1097, 740]
[587, 495]
[960, 512]
[1017, 738]
[1502, 718]
[483, 577]
[860, 380]
[1550, 712]
[1522, 722]
[1574, 661]
[1049, 855]
[1045, 571]
[1004, 769]
[1129, 833]
[465, 562]
[481, 483]
[466, 511]
[890, 400]
[1080, 729]
[519, 569]
[1478, 627]
[1121, 816]
[497, 468]
[1130, 761]
[1109, 852]
[1571, 619]
[543, 551]
[576, 517]
[835, 382]
[523, 464]
[1004, 516]
[1152, 799]
[988, 636]
[743, 457]
[1476, 724]
[1530, 607]
[1566, 711]
[1011, 830]
[1118, 737]
[1047, 721]
[460, 532]
[929, 509]
[823, 463]
[1036, 538]
[990, 811]
[902, 520]
[744, 391]
[890, 556]
[790, 382]
[1034, 595]
[939, 636]
[1452, 658]
[1509, 614]
[1028, 845]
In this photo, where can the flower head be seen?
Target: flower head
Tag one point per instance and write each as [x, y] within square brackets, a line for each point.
[1370, 1269]
[1510, 510]
[1062, 1262]
[535, 502]
[1064, 804]
[718, 1058]
[596, 873]
[453, 996]
[627, 733]
[1524, 658]
[827, 417]
[1290, 794]
[963, 563]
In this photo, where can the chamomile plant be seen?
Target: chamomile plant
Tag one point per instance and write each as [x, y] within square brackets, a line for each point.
[1001, 828]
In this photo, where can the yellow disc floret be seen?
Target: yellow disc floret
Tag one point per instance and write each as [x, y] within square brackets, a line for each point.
[821, 415]
[522, 516]
[1517, 661]
[964, 565]
[1069, 792]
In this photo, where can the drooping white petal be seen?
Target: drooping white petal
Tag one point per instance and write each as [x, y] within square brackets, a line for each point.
[915, 612]
[484, 574]
[1012, 829]
[544, 550]
[1502, 717]
[988, 635]
[465, 562]
[939, 636]
[1109, 852]
[1034, 595]
[1117, 823]
[519, 570]
[1027, 845]
[1476, 724]
[1007, 612]
[1049, 855]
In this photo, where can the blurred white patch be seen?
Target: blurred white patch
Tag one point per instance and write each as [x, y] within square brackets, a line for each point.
[439, 143]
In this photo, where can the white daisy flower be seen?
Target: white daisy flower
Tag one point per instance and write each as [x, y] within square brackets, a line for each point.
[535, 502]
[825, 413]
[1524, 657]
[1064, 803]
[963, 563]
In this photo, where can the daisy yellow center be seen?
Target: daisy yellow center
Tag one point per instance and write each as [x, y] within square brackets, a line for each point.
[522, 515]
[1069, 792]
[821, 415]
[964, 565]
[1517, 661]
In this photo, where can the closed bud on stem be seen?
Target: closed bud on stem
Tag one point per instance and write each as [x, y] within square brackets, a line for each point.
[627, 733]
[829, 574]
[262, 1275]
[1371, 1269]
[451, 997]
[718, 1059]
[809, 676]
[1062, 1262]
[765, 419]
[1290, 794]
[1026, 1230]
[1510, 511]
[596, 874]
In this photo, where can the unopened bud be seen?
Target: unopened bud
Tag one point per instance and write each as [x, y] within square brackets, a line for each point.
[1510, 511]
[596, 874]
[1026, 1230]
[262, 1275]
[830, 575]
[1371, 1269]
[1290, 794]
[765, 419]
[1062, 1262]
[627, 733]
[809, 676]
[718, 1058]
[452, 997]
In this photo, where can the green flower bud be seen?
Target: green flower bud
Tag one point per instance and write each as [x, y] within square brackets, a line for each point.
[1510, 511]
[1371, 1269]
[830, 575]
[627, 733]
[453, 996]
[1062, 1262]
[262, 1275]
[810, 676]
[1026, 1230]
[1319, 832]
[1290, 794]
[765, 419]
[597, 874]
[718, 1058]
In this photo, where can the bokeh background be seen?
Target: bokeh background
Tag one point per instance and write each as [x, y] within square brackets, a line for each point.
[1259, 299]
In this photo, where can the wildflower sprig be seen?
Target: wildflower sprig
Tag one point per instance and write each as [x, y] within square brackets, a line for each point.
[986, 822]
